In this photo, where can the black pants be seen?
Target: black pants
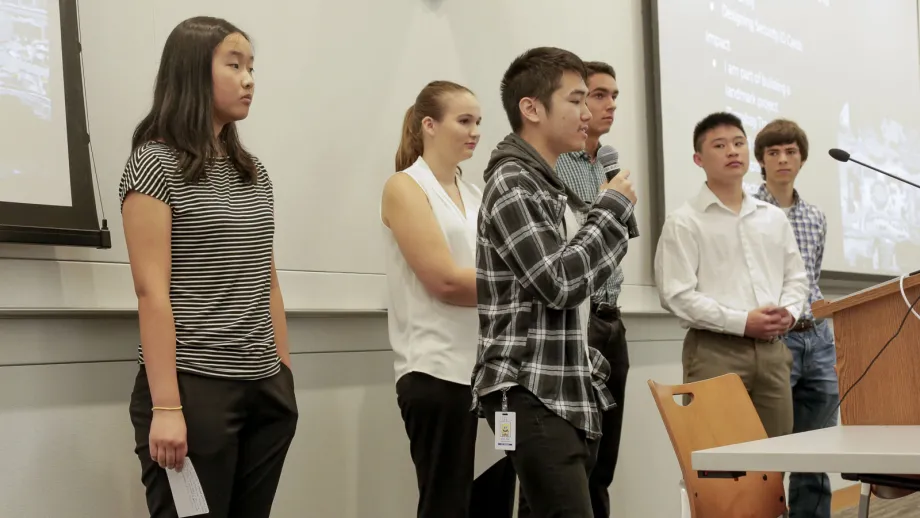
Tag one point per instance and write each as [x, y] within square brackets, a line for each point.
[238, 435]
[607, 334]
[442, 441]
[552, 458]
[493, 491]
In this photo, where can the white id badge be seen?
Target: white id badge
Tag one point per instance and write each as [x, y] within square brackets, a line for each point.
[505, 431]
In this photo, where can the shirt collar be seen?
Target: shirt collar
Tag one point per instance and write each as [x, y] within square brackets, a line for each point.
[583, 154]
[706, 199]
[764, 194]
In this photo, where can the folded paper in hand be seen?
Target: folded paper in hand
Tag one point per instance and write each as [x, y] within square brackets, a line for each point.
[186, 491]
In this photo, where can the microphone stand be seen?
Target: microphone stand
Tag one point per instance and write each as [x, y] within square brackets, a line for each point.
[876, 169]
[842, 156]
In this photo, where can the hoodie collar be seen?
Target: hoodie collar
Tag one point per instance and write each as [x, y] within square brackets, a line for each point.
[515, 148]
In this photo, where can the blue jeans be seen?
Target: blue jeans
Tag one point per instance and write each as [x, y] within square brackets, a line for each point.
[815, 394]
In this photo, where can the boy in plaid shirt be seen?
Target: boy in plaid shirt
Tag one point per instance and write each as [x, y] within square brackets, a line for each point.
[584, 174]
[536, 271]
[781, 148]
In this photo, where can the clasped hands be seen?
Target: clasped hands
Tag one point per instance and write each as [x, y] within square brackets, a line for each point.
[768, 322]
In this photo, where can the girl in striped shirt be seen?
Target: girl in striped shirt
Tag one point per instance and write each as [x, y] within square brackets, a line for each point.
[214, 384]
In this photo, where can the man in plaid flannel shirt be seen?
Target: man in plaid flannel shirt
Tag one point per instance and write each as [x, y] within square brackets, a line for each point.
[536, 270]
[584, 174]
[781, 148]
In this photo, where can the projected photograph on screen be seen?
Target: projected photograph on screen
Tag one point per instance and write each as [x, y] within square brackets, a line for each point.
[847, 72]
[31, 101]
[880, 216]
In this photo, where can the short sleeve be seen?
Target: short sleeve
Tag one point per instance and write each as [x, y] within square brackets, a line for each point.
[266, 182]
[146, 174]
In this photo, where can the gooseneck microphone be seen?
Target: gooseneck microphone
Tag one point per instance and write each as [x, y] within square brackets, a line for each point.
[842, 156]
[609, 158]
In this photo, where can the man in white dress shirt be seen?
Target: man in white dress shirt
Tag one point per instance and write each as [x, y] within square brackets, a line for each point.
[728, 266]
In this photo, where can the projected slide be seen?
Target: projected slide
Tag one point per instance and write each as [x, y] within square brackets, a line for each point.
[847, 72]
[33, 149]
[880, 216]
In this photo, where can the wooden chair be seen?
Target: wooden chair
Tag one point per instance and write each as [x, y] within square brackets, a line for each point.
[720, 413]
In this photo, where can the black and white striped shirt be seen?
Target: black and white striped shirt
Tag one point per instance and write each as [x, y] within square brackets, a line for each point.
[222, 235]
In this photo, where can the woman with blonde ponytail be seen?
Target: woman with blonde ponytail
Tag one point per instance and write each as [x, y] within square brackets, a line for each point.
[429, 213]
[410, 145]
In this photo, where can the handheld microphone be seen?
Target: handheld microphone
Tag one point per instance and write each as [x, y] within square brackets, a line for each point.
[609, 158]
[842, 156]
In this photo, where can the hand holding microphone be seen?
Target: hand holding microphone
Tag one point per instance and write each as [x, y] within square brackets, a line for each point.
[618, 180]
[622, 184]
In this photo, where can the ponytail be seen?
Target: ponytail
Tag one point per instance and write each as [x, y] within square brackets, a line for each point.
[427, 104]
[410, 145]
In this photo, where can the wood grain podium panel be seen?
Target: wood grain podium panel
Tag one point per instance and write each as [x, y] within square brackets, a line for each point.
[889, 394]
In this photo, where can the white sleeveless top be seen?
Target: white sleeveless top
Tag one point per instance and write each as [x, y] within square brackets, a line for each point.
[426, 334]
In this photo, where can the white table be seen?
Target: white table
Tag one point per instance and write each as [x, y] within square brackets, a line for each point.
[850, 450]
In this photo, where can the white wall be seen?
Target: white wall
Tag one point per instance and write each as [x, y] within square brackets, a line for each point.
[65, 382]
[326, 122]
[68, 444]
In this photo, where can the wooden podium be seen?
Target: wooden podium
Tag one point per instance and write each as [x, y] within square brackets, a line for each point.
[864, 322]
[889, 393]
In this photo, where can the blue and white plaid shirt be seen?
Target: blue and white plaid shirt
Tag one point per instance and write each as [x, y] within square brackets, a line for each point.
[585, 177]
[810, 227]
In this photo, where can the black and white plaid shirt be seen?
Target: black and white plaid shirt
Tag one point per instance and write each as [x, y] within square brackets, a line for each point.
[530, 283]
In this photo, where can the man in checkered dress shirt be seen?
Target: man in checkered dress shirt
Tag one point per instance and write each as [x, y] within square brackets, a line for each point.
[781, 148]
[582, 172]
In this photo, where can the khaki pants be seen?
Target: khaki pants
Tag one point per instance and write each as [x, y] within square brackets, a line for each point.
[764, 367]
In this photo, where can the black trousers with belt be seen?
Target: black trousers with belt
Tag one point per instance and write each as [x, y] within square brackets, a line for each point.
[552, 458]
[607, 334]
[238, 435]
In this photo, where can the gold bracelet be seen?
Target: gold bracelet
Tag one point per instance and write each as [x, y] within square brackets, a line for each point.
[170, 408]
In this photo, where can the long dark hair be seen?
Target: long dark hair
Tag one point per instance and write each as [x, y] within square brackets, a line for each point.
[428, 103]
[183, 101]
